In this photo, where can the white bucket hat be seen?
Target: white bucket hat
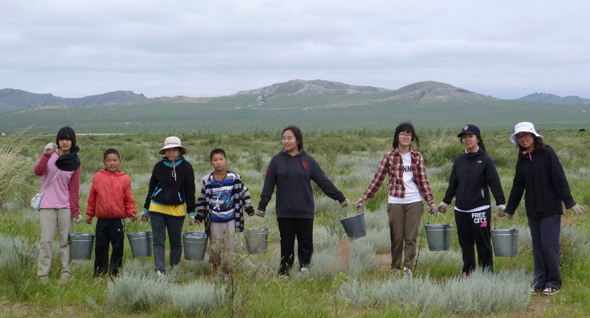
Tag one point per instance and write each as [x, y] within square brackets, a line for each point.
[524, 126]
[172, 142]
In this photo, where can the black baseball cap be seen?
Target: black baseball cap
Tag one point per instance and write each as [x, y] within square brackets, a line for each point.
[470, 129]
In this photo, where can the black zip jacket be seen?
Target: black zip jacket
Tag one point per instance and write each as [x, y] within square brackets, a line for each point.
[292, 176]
[167, 190]
[544, 185]
[472, 177]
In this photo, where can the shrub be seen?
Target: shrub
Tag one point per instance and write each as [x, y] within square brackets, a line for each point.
[481, 293]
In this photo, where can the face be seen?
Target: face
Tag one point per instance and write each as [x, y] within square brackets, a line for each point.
[405, 138]
[218, 162]
[111, 162]
[470, 142]
[65, 145]
[172, 153]
[526, 140]
[289, 142]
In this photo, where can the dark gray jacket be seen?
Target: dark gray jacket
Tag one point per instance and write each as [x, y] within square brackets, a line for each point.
[292, 177]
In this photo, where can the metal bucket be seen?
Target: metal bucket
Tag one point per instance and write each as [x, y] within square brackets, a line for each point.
[256, 239]
[81, 245]
[195, 244]
[141, 243]
[439, 236]
[505, 242]
[354, 226]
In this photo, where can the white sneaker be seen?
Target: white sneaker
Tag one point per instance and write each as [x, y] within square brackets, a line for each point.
[304, 270]
[408, 272]
[159, 274]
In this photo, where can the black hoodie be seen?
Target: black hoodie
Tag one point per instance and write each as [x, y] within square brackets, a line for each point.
[292, 176]
[473, 174]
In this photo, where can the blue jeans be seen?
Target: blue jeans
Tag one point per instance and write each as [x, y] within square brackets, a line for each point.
[160, 222]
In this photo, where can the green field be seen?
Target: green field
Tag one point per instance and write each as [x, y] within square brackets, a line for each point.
[348, 279]
[428, 105]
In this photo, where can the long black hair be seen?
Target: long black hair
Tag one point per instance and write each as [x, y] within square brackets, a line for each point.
[404, 127]
[298, 135]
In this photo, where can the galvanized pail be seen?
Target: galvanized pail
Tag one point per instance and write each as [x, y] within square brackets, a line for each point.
[354, 226]
[439, 236]
[256, 239]
[195, 244]
[141, 243]
[505, 242]
[81, 245]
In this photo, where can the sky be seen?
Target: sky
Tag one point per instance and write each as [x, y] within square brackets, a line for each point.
[505, 49]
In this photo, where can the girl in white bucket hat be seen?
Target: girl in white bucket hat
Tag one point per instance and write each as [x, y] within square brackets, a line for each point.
[170, 197]
[540, 177]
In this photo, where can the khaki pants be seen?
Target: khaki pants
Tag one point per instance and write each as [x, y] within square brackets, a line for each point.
[223, 235]
[404, 221]
[50, 219]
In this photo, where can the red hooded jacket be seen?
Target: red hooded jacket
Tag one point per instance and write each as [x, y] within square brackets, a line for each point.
[110, 196]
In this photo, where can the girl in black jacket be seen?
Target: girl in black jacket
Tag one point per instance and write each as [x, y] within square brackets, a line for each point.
[473, 174]
[540, 177]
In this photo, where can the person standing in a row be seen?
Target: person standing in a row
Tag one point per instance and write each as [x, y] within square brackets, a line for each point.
[291, 171]
[474, 174]
[60, 167]
[408, 187]
[540, 177]
[170, 197]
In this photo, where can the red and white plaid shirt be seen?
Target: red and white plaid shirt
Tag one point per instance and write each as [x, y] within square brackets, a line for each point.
[392, 165]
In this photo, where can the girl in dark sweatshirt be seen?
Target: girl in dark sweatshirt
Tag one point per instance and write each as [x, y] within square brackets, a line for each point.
[291, 171]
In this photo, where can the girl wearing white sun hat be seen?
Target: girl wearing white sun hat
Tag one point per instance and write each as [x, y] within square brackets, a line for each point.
[540, 177]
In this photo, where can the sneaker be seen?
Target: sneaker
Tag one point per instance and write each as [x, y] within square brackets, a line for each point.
[534, 290]
[159, 274]
[395, 271]
[550, 291]
[304, 270]
[408, 272]
[284, 277]
[465, 274]
[65, 277]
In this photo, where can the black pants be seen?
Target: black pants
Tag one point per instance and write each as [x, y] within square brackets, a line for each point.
[475, 227]
[289, 229]
[109, 231]
[545, 235]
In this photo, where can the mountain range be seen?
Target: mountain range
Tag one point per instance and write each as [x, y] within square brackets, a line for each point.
[315, 104]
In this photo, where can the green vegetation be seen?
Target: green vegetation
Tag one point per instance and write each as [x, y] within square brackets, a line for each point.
[347, 279]
[429, 105]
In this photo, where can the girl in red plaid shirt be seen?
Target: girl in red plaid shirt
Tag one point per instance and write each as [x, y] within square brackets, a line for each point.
[408, 187]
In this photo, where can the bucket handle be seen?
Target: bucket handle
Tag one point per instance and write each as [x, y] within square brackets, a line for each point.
[513, 224]
[421, 234]
[340, 212]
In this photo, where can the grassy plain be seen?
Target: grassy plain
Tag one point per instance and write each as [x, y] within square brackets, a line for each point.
[346, 276]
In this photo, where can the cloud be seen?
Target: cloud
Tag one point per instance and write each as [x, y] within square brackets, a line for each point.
[207, 48]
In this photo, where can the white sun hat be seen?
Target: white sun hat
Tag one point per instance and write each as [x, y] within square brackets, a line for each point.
[172, 142]
[524, 126]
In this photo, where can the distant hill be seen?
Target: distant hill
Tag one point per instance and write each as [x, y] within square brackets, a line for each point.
[554, 99]
[317, 105]
[16, 99]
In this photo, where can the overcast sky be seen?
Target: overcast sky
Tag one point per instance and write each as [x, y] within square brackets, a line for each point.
[506, 49]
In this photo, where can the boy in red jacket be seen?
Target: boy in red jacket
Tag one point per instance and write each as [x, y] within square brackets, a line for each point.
[111, 201]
